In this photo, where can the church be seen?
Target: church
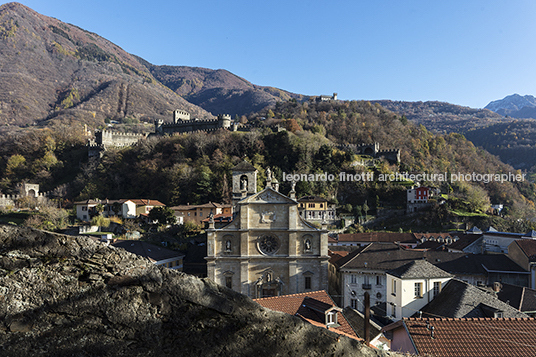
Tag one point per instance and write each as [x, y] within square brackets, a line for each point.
[268, 249]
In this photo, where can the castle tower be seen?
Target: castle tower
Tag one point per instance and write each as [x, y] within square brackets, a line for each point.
[244, 181]
[179, 115]
[224, 121]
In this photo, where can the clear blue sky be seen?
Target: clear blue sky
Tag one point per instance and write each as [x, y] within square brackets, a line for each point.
[462, 52]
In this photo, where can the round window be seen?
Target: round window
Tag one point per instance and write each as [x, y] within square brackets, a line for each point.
[268, 244]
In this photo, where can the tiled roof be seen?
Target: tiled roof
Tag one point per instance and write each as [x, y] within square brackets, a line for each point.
[528, 246]
[357, 321]
[336, 255]
[145, 202]
[519, 297]
[464, 241]
[204, 205]
[430, 244]
[147, 250]
[220, 217]
[419, 269]
[371, 237]
[474, 337]
[459, 299]
[389, 256]
[296, 304]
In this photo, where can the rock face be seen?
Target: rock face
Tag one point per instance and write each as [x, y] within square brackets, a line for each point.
[63, 295]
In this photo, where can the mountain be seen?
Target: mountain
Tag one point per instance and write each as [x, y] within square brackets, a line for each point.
[219, 91]
[515, 106]
[56, 72]
[441, 116]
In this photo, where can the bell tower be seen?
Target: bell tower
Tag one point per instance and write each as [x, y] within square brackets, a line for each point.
[244, 181]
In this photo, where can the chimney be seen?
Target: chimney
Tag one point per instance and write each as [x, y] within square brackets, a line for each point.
[497, 286]
[432, 331]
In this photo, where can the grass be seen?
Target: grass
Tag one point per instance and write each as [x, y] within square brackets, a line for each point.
[467, 214]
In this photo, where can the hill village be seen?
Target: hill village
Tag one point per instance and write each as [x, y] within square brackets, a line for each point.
[414, 293]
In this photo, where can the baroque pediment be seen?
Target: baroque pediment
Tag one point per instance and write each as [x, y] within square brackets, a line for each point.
[268, 195]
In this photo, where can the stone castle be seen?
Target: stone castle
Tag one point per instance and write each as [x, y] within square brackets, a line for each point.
[182, 123]
[373, 150]
[29, 190]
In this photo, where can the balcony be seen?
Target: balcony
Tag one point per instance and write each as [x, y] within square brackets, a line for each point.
[366, 286]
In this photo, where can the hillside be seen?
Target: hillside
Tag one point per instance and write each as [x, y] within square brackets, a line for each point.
[53, 72]
[69, 296]
[219, 91]
[441, 116]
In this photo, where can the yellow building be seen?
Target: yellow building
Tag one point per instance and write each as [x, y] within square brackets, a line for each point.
[317, 209]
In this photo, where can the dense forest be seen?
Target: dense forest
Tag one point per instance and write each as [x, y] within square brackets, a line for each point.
[196, 168]
[514, 142]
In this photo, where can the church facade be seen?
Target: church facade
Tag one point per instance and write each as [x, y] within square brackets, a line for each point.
[268, 249]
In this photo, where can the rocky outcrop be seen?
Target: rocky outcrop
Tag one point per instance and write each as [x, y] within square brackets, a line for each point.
[63, 295]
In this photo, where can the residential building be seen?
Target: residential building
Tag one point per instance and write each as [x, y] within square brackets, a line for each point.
[198, 213]
[315, 307]
[447, 337]
[158, 255]
[417, 198]
[412, 286]
[317, 209]
[125, 208]
[268, 249]
[523, 252]
[365, 269]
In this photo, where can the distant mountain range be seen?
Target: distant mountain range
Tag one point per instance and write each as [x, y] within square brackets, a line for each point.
[515, 106]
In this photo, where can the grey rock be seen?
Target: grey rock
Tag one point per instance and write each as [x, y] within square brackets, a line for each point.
[75, 297]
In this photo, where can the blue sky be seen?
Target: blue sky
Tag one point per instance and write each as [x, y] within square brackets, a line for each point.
[462, 52]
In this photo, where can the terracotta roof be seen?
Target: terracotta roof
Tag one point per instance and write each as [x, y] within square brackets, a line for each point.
[221, 217]
[388, 237]
[336, 255]
[308, 306]
[145, 202]
[473, 337]
[528, 246]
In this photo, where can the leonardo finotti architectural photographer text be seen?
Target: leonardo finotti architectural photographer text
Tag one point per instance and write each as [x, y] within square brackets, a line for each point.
[405, 176]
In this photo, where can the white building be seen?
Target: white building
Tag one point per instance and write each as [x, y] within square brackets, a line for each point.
[412, 286]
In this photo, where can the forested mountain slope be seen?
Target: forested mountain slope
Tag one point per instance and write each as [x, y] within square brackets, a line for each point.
[56, 72]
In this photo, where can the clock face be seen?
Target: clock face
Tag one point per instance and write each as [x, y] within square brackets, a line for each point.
[268, 244]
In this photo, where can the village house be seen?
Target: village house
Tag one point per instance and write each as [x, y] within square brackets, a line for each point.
[197, 213]
[315, 307]
[467, 337]
[365, 269]
[317, 209]
[125, 208]
[523, 252]
[412, 286]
